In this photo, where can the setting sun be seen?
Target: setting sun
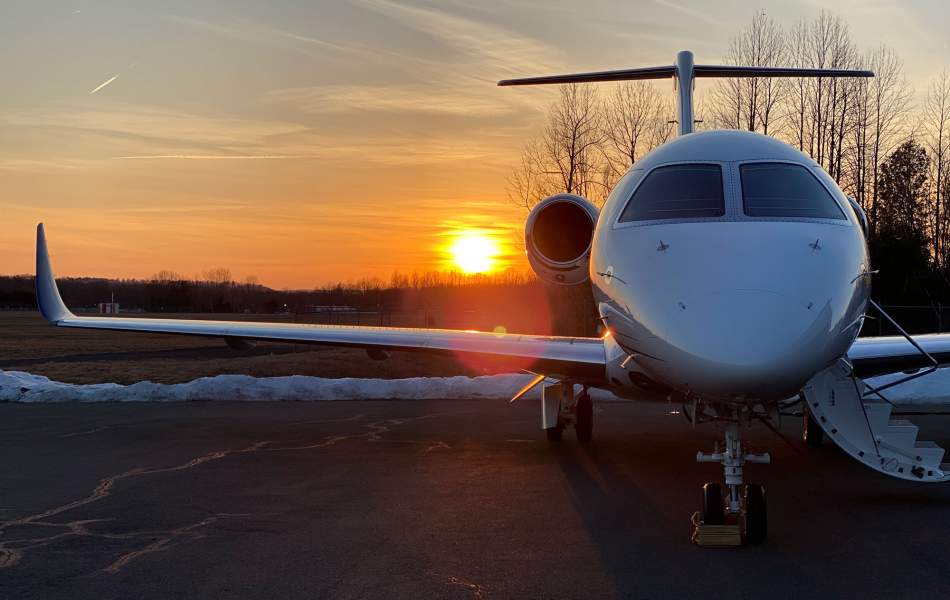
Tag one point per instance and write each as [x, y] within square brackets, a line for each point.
[474, 252]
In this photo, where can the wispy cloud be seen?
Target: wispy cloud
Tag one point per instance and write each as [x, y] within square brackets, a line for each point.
[458, 82]
[123, 132]
[37, 165]
[207, 157]
[153, 123]
[495, 51]
[396, 98]
[104, 83]
[252, 31]
[689, 12]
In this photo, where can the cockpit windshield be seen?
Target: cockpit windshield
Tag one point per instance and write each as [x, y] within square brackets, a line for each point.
[785, 190]
[691, 191]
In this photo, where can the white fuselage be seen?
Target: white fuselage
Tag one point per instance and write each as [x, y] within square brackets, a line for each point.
[731, 306]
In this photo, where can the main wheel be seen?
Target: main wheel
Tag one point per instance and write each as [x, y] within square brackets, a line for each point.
[756, 523]
[554, 434]
[584, 418]
[713, 511]
[812, 433]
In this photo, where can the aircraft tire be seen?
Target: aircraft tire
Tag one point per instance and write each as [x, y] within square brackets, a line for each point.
[812, 433]
[756, 522]
[713, 510]
[584, 421]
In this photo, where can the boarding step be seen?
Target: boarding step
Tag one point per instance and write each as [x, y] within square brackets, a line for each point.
[899, 432]
[929, 453]
[879, 414]
[862, 427]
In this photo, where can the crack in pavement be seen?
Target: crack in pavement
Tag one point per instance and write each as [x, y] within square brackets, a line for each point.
[437, 446]
[13, 551]
[160, 544]
[87, 432]
[479, 592]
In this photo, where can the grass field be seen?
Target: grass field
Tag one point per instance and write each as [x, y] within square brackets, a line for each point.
[28, 343]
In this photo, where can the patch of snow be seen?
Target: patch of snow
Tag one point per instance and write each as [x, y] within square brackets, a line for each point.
[17, 386]
[929, 392]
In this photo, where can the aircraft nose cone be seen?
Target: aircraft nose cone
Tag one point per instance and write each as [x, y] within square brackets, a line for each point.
[732, 342]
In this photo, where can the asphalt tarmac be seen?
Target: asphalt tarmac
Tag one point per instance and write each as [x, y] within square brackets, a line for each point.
[450, 499]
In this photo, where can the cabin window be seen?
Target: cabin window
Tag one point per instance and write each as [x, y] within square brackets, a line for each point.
[785, 190]
[677, 192]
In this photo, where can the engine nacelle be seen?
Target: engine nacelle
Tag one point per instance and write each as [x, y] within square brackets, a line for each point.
[557, 238]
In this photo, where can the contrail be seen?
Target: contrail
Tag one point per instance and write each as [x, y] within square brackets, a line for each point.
[104, 83]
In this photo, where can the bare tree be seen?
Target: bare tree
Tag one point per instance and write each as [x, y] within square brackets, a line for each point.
[752, 103]
[166, 276]
[769, 49]
[220, 275]
[828, 46]
[797, 104]
[856, 183]
[936, 133]
[841, 97]
[636, 120]
[727, 97]
[528, 184]
[887, 101]
[572, 140]
[568, 156]
[847, 125]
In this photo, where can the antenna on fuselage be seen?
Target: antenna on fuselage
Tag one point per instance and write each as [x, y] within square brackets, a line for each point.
[684, 74]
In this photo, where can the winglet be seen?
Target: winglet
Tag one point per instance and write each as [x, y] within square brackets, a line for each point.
[47, 294]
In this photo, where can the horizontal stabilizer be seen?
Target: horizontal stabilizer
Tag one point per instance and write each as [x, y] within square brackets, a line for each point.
[685, 72]
[598, 76]
[667, 72]
[730, 71]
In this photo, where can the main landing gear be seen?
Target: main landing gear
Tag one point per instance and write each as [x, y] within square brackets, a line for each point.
[562, 409]
[812, 434]
[740, 504]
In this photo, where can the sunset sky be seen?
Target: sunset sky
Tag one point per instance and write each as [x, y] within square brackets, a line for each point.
[312, 141]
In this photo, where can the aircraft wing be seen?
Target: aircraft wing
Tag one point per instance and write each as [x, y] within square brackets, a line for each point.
[582, 358]
[879, 355]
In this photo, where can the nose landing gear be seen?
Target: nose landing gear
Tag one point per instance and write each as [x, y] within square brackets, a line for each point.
[744, 504]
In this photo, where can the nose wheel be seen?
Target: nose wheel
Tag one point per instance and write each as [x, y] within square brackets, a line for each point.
[739, 503]
[756, 521]
[714, 513]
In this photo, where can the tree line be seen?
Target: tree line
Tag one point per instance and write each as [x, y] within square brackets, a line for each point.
[882, 144]
[514, 300]
[216, 290]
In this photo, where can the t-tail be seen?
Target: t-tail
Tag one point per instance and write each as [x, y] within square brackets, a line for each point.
[684, 73]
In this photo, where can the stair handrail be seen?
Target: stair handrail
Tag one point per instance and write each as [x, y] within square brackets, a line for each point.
[934, 362]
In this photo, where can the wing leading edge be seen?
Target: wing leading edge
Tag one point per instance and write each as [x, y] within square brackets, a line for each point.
[879, 355]
[583, 358]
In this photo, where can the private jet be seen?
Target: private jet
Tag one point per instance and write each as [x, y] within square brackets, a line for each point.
[729, 271]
